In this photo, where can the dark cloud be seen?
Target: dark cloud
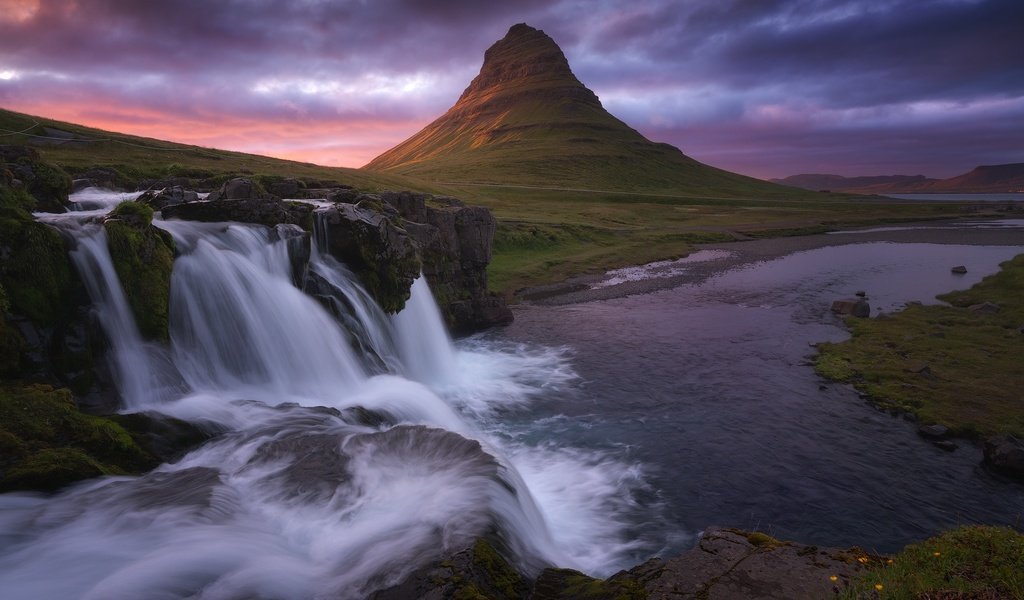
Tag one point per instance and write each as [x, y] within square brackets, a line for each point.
[767, 87]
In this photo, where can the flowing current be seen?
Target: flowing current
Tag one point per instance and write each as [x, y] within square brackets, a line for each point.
[355, 446]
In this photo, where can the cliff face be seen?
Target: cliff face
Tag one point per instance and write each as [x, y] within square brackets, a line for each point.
[455, 246]
[387, 239]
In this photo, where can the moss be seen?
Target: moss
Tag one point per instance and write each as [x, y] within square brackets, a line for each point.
[567, 584]
[968, 562]
[35, 270]
[137, 213]
[50, 186]
[143, 257]
[762, 540]
[500, 576]
[47, 443]
[945, 364]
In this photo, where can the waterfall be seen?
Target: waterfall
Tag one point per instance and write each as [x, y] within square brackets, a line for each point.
[142, 371]
[423, 342]
[338, 474]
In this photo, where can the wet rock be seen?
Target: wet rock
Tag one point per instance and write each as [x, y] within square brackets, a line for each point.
[935, 432]
[143, 257]
[476, 572]
[264, 211]
[986, 308]
[947, 445]
[732, 564]
[856, 307]
[379, 252]
[1005, 454]
[861, 294]
[959, 269]
[169, 196]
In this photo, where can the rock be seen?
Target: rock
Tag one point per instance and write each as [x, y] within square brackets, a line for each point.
[856, 307]
[379, 252]
[861, 294]
[935, 432]
[289, 188]
[241, 188]
[455, 242]
[1005, 454]
[733, 564]
[143, 257]
[100, 177]
[169, 196]
[984, 308]
[959, 269]
[947, 445]
[262, 211]
[46, 183]
[478, 572]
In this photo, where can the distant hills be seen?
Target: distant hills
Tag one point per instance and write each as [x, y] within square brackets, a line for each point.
[984, 179]
[527, 120]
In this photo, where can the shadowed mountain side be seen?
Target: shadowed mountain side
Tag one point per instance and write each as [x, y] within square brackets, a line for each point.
[527, 120]
[995, 179]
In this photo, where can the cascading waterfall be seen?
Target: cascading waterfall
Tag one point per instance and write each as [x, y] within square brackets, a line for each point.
[331, 480]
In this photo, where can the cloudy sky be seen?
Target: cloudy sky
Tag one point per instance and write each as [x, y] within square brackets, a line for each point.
[768, 88]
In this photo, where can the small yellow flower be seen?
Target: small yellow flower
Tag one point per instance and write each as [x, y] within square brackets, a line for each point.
[936, 554]
[879, 586]
[833, 577]
[863, 559]
[888, 562]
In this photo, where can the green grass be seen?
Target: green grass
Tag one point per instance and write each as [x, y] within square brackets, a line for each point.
[974, 381]
[601, 213]
[139, 158]
[980, 563]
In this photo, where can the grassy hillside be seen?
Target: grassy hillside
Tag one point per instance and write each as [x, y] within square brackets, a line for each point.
[545, 233]
[78, 148]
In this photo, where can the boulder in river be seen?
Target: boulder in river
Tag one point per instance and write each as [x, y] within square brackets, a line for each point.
[857, 307]
[1005, 454]
[959, 270]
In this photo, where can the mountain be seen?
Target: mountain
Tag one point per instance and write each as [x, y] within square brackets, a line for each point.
[992, 179]
[813, 181]
[527, 120]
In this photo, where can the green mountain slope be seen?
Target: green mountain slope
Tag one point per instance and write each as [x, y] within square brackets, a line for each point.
[77, 148]
[526, 120]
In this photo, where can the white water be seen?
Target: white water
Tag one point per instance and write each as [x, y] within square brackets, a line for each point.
[306, 496]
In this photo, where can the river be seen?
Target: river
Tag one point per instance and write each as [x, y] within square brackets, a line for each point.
[589, 435]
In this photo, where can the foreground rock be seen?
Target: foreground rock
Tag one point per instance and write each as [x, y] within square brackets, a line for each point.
[727, 564]
[731, 564]
[21, 167]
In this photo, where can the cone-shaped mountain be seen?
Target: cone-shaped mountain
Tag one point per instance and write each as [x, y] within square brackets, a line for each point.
[526, 120]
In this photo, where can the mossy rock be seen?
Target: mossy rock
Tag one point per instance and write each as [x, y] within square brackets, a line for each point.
[50, 187]
[567, 584]
[143, 257]
[35, 270]
[47, 442]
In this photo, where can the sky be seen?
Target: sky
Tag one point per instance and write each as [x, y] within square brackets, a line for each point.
[767, 88]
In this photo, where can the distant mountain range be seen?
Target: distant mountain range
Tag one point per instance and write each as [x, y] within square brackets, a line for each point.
[984, 179]
[527, 120]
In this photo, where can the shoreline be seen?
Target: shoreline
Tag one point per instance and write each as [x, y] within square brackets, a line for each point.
[740, 253]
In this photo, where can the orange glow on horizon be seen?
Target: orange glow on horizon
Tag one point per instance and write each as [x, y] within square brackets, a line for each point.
[328, 143]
